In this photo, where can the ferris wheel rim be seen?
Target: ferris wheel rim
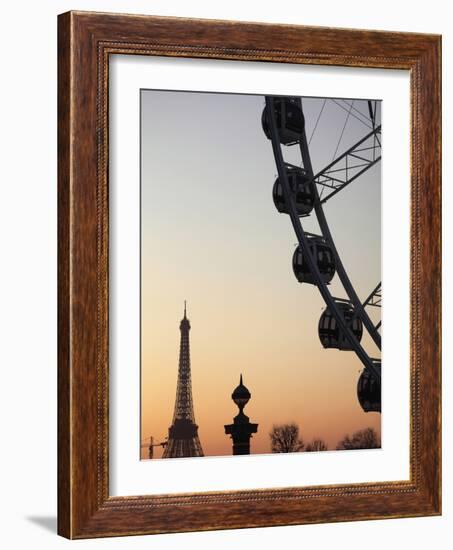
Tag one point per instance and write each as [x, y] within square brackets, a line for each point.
[301, 235]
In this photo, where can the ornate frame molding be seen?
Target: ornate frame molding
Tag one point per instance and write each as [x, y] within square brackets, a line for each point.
[86, 40]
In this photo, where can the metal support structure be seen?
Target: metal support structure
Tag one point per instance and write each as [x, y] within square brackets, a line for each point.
[303, 242]
[354, 165]
[372, 112]
[337, 178]
[150, 446]
[374, 299]
[183, 440]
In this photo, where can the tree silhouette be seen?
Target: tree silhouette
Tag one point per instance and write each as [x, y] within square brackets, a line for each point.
[362, 439]
[285, 438]
[316, 445]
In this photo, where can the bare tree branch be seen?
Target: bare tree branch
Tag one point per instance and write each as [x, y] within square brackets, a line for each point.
[285, 438]
[362, 439]
[316, 445]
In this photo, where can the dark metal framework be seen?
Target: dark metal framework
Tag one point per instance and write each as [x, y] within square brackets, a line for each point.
[374, 299]
[150, 446]
[350, 165]
[336, 176]
[183, 440]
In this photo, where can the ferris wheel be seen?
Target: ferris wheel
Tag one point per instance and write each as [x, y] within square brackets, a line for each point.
[300, 193]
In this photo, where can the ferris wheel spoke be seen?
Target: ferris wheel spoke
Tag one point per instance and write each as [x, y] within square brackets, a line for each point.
[376, 137]
[374, 299]
[350, 165]
[362, 118]
[372, 112]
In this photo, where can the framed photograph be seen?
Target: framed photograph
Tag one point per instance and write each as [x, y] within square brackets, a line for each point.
[249, 275]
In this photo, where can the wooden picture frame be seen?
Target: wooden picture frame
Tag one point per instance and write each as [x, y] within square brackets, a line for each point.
[85, 42]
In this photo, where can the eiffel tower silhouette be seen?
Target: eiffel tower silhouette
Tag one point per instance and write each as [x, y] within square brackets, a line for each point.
[183, 438]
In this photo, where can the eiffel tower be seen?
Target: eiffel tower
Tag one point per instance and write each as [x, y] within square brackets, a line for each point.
[183, 438]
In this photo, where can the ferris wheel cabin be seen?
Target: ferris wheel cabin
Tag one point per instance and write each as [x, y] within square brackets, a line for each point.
[301, 188]
[289, 120]
[331, 334]
[323, 256]
[369, 390]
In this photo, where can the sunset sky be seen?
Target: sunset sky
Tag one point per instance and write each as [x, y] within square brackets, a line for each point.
[212, 236]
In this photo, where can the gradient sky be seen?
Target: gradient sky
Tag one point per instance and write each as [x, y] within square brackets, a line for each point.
[211, 235]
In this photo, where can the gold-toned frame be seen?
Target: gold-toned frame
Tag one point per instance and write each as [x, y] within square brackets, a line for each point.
[85, 41]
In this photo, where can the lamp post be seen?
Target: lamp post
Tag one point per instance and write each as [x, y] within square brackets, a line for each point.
[242, 429]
